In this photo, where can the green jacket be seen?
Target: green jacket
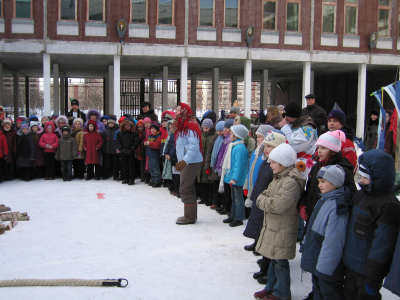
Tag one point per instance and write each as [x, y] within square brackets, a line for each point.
[67, 148]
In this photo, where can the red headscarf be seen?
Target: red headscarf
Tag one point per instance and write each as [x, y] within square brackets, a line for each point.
[186, 121]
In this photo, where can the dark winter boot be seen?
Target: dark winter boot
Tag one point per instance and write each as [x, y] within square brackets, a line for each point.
[131, 182]
[125, 181]
[264, 267]
[310, 296]
[263, 280]
[190, 215]
[251, 247]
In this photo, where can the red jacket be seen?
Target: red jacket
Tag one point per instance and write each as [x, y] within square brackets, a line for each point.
[92, 143]
[349, 151]
[49, 138]
[3, 145]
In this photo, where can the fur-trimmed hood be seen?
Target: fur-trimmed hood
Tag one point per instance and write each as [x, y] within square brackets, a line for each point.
[62, 117]
[93, 123]
[93, 111]
[49, 123]
[78, 120]
[127, 121]
[20, 133]
[40, 130]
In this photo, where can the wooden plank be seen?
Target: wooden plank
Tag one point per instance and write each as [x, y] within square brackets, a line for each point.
[11, 224]
[2, 228]
[19, 218]
[4, 208]
[17, 214]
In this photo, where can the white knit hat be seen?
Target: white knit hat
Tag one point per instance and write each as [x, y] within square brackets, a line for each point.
[264, 129]
[33, 123]
[284, 154]
[332, 140]
[274, 139]
[240, 131]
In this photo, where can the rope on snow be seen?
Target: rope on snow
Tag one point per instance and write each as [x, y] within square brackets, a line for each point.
[63, 282]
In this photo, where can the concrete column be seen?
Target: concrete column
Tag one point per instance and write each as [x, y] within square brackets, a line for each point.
[117, 85]
[361, 93]
[234, 89]
[56, 90]
[306, 81]
[273, 100]
[151, 89]
[63, 100]
[46, 85]
[193, 93]
[164, 88]
[247, 87]
[215, 91]
[16, 95]
[264, 90]
[184, 77]
[110, 91]
[1, 84]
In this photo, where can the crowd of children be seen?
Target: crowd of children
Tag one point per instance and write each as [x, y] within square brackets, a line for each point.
[350, 235]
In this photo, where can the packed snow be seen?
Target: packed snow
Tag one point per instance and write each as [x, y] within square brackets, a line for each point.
[103, 229]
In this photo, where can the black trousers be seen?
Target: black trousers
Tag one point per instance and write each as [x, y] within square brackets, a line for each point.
[26, 173]
[38, 172]
[176, 178]
[227, 197]
[110, 164]
[8, 171]
[79, 168]
[217, 198]
[354, 287]
[128, 166]
[50, 162]
[93, 170]
[2, 163]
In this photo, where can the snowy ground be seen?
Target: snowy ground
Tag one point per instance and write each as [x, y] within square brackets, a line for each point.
[91, 230]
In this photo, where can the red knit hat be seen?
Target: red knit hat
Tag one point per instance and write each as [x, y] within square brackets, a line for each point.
[121, 119]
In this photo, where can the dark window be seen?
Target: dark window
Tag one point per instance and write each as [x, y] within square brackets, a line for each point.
[138, 11]
[206, 13]
[67, 10]
[95, 10]
[23, 9]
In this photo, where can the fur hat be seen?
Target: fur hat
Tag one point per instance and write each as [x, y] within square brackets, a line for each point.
[235, 109]
[274, 139]
[7, 120]
[338, 115]
[220, 125]
[228, 123]
[147, 120]
[264, 129]
[207, 123]
[284, 155]
[78, 120]
[240, 131]
[334, 174]
[293, 109]
[332, 140]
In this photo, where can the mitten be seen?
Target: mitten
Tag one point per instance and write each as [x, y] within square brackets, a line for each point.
[370, 290]
[303, 212]
[180, 165]
[246, 192]
[48, 146]
[208, 172]
[248, 203]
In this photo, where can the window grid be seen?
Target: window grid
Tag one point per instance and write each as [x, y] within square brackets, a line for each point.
[298, 17]
[60, 13]
[103, 12]
[145, 20]
[384, 8]
[213, 14]
[327, 25]
[264, 17]
[347, 6]
[238, 15]
[172, 14]
[15, 9]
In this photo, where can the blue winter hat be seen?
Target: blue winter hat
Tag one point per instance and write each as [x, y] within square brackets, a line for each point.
[229, 123]
[334, 174]
[220, 125]
[104, 117]
[24, 125]
[33, 118]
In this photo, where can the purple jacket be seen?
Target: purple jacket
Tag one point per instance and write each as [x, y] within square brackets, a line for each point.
[221, 155]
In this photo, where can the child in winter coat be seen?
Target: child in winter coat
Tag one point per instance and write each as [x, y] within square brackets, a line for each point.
[66, 152]
[141, 151]
[26, 152]
[10, 133]
[94, 115]
[147, 123]
[323, 244]
[61, 121]
[153, 143]
[92, 143]
[110, 155]
[104, 119]
[79, 161]
[207, 187]
[170, 156]
[3, 153]
[210, 161]
[373, 228]
[49, 142]
[127, 142]
[254, 225]
[279, 233]
[38, 164]
[227, 200]
[234, 171]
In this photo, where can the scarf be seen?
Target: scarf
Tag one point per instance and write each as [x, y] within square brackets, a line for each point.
[217, 147]
[186, 121]
[226, 166]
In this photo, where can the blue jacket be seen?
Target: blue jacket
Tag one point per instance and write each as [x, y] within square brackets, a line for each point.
[252, 173]
[392, 281]
[171, 150]
[188, 148]
[239, 164]
[325, 238]
[255, 223]
[374, 222]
